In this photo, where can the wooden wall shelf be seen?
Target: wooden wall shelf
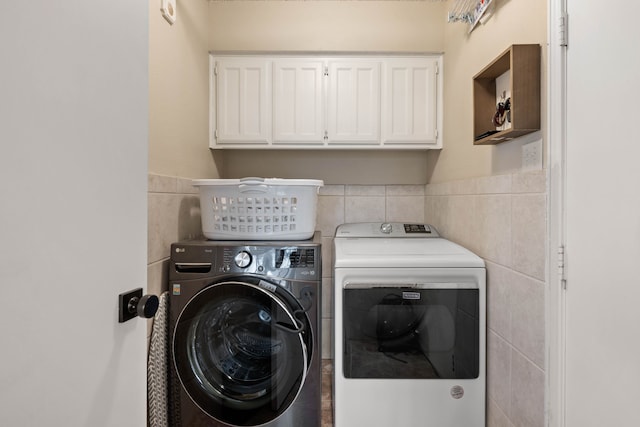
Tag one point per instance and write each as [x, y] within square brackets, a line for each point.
[522, 62]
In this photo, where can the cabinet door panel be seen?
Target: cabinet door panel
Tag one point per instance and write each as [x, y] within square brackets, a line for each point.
[410, 101]
[242, 101]
[298, 101]
[354, 102]
[339, 102]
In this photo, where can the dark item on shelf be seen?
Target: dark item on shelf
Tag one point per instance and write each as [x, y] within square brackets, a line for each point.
[503, 112]
[484, 135]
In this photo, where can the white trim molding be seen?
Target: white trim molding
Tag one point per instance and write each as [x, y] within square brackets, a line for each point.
[555, 300]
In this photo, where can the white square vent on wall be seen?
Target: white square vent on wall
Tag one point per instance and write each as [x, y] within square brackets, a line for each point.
[168, 9]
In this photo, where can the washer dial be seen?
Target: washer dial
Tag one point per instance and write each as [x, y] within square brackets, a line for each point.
[242, 259]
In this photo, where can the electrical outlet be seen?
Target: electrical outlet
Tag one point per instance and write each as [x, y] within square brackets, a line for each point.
[532, 156]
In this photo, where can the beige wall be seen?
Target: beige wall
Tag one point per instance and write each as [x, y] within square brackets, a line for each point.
[332, 166]
[179, 82]
[179, 92]
[328, 26]
[513, 22]
[384, 26]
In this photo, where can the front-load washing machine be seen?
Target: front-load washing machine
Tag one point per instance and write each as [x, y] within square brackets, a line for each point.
[409, 335]
[245, 333]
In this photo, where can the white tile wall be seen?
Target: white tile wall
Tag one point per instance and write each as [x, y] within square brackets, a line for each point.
[502, 218]
[173, 215]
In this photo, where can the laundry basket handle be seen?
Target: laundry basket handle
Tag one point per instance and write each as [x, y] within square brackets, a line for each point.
[252, 185]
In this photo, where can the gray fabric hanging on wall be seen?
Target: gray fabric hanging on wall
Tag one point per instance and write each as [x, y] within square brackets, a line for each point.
[158, 367]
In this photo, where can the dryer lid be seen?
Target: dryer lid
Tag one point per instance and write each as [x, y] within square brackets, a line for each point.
[375, 251]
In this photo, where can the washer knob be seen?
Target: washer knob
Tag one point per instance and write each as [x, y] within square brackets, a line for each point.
[242, 259]
[386, 228]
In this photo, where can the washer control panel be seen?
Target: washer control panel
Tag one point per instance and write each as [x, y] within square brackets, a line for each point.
[302, 261]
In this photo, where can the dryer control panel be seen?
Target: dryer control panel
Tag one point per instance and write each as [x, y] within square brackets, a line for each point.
[386, 229]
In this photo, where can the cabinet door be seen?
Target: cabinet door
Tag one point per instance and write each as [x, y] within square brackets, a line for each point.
[241, 94]
[298, 107]
[410, 101]
[354, 102]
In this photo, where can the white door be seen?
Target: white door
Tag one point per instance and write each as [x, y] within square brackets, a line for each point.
[242, 94]
[73, 131]
[354, 102]
[601, 307]
[410, 91]
[298, 101]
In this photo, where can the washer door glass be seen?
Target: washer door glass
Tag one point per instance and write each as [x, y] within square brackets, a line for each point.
[240, 353]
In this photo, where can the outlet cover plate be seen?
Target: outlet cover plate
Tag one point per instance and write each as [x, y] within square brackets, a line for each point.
[532, 156]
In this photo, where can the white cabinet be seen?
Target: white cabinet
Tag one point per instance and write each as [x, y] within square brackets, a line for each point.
[410, 101]
[354, 102]
[298, 101]
[340, 102]
[241, 101]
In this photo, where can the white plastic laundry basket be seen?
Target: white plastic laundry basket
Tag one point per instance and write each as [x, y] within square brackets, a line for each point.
[258, 208]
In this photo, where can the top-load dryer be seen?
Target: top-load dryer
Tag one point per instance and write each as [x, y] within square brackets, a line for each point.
[409, 335]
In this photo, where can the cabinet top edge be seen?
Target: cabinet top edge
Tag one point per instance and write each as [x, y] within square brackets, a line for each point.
[322, 53]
